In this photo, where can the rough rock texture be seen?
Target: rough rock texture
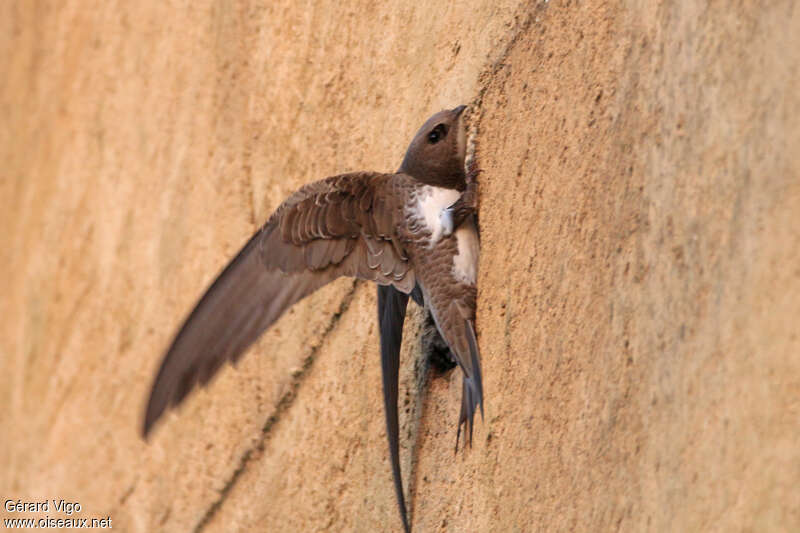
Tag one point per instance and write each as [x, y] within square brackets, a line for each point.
[638, 289]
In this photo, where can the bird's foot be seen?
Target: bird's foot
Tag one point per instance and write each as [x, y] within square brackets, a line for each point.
[447, 219]
[466, 206]
[473, 171]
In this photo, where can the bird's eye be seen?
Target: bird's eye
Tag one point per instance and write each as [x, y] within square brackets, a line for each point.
[437, 134]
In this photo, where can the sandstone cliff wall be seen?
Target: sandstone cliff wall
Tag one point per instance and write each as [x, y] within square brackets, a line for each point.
[639, 280]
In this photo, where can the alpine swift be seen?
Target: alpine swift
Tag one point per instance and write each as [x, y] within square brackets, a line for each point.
[412, 232]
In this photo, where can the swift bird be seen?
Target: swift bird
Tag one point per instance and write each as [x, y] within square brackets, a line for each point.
[412, 232]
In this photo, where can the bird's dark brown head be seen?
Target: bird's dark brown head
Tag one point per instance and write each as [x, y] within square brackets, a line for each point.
[436, 154]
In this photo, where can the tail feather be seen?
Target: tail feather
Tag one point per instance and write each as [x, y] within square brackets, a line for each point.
[471, 389]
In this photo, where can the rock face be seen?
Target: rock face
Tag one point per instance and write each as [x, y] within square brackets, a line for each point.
[638, 288]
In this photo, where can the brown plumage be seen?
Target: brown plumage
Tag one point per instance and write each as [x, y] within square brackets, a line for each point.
[394, 229]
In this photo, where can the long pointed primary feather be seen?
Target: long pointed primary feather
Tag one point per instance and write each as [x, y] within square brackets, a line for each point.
[244, 301]
[391, 316]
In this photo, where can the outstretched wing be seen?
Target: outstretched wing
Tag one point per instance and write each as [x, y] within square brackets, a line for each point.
[340, 226]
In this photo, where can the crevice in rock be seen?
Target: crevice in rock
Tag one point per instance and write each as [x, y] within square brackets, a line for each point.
[524, 21]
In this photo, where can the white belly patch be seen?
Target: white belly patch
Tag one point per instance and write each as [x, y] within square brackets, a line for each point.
[428, 208]
[465, 263]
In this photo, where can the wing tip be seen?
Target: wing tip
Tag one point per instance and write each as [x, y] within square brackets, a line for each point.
[152, 414]
[147, 426]
[391, 316]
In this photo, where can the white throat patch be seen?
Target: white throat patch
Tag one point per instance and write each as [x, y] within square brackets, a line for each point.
[430, 201]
